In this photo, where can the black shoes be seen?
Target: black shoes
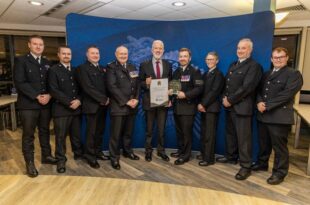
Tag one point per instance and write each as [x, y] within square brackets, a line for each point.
[275, 179]
[259, 167]
[148, 156]
[243, 174]
[61, 167]
[49, 160]
[163, 156]
[180, 161]
[93, 164]
[204, 163]
[31, 169]
[175, 154]
[227, 160]
[101, 156]
[115, 164]
[131, 156]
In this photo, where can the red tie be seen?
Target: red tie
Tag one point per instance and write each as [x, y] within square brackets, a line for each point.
[157, 70]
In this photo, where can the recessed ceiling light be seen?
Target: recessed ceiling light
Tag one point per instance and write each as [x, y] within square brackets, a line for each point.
[178, 3]
[35, 3]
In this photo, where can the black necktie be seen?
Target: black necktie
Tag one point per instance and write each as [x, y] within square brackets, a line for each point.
[38, 60]
[68, 68]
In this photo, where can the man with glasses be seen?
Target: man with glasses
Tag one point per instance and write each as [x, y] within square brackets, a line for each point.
[275, 105]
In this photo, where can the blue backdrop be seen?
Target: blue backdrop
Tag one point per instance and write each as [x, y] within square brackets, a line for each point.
[201, 36]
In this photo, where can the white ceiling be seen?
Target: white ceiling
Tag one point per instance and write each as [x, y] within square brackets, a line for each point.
[21, 12]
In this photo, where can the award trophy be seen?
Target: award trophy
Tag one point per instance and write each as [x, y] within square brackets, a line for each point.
[175, 85]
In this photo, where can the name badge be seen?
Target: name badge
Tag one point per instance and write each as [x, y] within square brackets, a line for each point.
[185, 78]
[134, 74]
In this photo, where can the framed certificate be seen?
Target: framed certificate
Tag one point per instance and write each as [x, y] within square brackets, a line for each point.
[159, 92]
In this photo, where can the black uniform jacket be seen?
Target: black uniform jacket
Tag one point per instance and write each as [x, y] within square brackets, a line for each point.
[277, 90]
[63, 88]
[30, 78]
[123, 85]
[212, 90]
[192, 86]
[147, 70]
[93, 84]
[240, 87]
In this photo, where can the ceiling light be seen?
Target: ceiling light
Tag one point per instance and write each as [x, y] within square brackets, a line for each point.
[178, 3]
[281, 16]
[35, 3]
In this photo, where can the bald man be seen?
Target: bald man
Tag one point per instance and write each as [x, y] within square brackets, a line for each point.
[123, 85]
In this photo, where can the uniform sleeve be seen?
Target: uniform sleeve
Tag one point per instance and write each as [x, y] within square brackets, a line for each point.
[89, 88]
[54, 89]
[115, 92]
[198, 86]
[251, 80]
[293, 85]
[215, 91]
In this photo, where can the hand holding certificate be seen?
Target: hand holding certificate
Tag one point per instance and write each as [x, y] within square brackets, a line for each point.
[159, 92]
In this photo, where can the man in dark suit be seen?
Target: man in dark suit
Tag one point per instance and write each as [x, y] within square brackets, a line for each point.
[157, 68]
[210, 107]
[30, 76]
[242, 79]
[123, 85]
[65, 107]
[185, 104]
[275, 105]
[92, 79]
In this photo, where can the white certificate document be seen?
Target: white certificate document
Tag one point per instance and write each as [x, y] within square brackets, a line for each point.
[159, 92]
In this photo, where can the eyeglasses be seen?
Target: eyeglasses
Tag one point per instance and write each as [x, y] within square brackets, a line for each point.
[278, 57]
[210, 59]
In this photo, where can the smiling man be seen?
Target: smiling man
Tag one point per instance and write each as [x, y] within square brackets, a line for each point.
[242, 79]
[33, 102]
[275, 105]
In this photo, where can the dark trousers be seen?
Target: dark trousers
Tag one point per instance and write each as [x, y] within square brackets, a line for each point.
[95, 125]
[274, 136]
[63, 126]
[184, 128]
[208, 135]
[31, 119]
[239, 138]
[121, 129]
[159, 114]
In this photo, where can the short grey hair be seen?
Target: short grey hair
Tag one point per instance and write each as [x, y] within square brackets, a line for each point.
[158, 41]
[213, 53]
[247, 40]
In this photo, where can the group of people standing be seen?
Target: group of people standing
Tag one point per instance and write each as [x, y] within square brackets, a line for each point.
[65, 92]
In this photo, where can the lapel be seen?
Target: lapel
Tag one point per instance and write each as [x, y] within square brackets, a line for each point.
[150, 66]
[123, 69]
[32, 60]
[276, 74]
[165, 69]
[237, 66]
[63, 68]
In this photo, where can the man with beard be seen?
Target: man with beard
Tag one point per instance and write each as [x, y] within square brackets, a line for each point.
[123, 85]
[30, 76]
[242, 79]
[95, 100]
[185, 104]
[275, 105]
[157, 68]
[210, 107]
[65, 107]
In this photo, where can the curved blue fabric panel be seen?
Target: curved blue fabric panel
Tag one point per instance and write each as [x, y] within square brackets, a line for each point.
[201, 36]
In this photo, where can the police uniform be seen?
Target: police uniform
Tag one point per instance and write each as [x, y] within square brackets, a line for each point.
[30, 76]
[63, 88]
[159, 114]
[210, 100]
[123, 85]
[240, 89]
[277, 91]
[94, 94]
[185, 109]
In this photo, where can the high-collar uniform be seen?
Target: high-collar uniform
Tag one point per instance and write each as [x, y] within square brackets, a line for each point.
[155, 113]
[123, 85]
[240, 89]
[30, 78]
[64, 89]
[210, 100]
[277, 91]
[94, 97]
[185, 109]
